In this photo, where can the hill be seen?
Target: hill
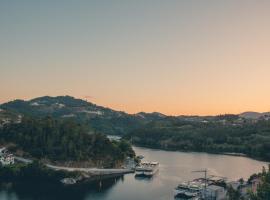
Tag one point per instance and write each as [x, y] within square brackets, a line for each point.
[254, 115]
[63, 141]
[100, 119]
[220, 134]
[247, 133]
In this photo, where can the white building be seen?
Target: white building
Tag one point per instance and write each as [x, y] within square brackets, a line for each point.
[7, 159]
[214, 192]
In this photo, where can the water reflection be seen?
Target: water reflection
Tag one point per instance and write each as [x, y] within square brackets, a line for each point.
[45, 191]
[144, 178]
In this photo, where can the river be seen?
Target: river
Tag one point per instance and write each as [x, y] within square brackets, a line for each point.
[174, 168]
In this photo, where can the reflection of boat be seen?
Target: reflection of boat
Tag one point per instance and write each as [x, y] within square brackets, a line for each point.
[189, 190]
[147, 169]
[144, 178]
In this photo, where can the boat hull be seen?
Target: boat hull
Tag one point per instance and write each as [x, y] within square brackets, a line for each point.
[147, 170]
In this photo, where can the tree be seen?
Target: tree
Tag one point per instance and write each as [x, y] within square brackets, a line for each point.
[263, 191]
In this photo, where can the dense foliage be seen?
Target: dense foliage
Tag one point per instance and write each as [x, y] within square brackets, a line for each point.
[32, 172]
[263, 191]
[216, 134]
[246, 137]
[67, 140]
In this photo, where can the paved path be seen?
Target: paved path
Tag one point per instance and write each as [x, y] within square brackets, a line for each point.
[95, 171]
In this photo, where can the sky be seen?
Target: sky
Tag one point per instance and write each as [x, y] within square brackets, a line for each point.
[178, 57]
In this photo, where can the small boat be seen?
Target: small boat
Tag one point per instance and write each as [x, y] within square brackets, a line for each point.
[188, 190]
[147, 169]
[68, 181]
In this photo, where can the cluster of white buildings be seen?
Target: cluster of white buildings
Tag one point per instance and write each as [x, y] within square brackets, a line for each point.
[215, 188]
[5, 157]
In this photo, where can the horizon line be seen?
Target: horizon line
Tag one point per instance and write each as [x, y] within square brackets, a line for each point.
[130, 113]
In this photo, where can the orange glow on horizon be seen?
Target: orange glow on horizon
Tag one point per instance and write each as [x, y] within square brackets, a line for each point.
[177, 57]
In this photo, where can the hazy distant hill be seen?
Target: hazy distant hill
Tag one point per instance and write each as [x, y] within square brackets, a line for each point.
[254, 115]
[150, 116]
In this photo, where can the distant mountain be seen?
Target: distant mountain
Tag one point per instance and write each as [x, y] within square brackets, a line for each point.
[99, 118]
[102, 119]
[61, 106]
[150, 116]
[254, 115]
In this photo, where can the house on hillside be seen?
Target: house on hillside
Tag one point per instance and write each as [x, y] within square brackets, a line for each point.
[5, 157]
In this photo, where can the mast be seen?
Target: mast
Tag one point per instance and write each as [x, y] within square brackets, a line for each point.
[205, 177]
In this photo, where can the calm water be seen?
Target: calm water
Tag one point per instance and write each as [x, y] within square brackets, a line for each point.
[174, 168]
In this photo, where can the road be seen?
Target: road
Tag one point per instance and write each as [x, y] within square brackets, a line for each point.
[95, 171]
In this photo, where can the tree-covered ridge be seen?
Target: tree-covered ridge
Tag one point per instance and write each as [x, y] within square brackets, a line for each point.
[248, 137]
[101, 119]
[246, 133]
[64, 140]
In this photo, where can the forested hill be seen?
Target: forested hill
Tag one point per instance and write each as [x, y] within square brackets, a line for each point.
[247, 133]
[63, 141]
[227, 135]
[98, 118]
[105, 120]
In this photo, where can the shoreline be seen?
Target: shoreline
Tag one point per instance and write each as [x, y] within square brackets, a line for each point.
[214, 153]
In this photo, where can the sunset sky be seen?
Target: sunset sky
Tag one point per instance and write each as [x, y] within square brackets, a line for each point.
[175, 57]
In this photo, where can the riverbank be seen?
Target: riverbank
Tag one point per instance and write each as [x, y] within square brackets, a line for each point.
[27, 169]
[208, 152]
[175, 167]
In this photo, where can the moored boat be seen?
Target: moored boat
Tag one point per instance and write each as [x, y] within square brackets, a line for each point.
[147, 169]
[189, 190]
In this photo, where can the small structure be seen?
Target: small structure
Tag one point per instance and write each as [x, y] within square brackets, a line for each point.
[234, 184]
[214, 192]
[114, 138]
[7, 159]
[255, 183]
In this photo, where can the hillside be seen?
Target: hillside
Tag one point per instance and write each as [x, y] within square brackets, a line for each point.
[223, 134]
[247, 133]
[100, 119]
[8, 116]
[254, 115]
[63, 141]
[105, 120]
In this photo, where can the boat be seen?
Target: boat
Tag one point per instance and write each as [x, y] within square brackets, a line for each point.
[147, 169]
[189, 190]
[139, 171]
[68, 181]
